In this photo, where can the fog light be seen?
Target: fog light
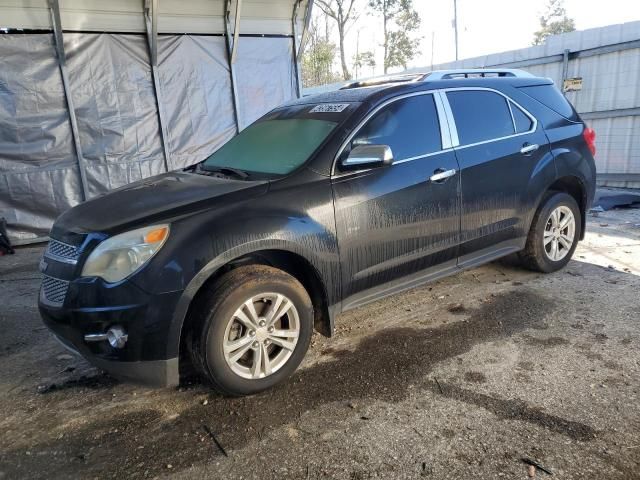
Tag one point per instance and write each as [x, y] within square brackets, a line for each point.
[117, 337]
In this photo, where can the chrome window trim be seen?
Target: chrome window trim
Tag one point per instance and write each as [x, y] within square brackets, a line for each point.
[450, 121]
[418, 157]
[442, 121]
[454, 129]
[513, 119]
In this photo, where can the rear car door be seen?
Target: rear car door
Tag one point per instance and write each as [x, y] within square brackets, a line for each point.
[395, 225]
[499, 146]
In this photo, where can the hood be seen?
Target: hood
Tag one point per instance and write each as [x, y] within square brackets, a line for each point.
[155, 199]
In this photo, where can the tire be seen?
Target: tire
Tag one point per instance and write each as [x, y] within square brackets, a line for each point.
[540, 256]
[222, 317]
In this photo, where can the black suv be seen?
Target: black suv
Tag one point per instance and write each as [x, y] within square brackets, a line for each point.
[324, 204]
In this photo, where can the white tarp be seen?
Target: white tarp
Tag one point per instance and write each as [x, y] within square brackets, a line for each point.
[39, 175]
[115, 105]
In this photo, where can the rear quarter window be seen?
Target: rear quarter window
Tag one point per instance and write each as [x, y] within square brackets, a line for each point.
[522, 120]
[551, 97]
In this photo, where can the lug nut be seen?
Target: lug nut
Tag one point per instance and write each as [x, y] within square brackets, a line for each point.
[270, 329]
[262, 323]
[255, 344]
[252, 333]
[267, 342]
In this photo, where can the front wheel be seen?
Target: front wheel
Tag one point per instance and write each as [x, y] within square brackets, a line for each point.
[251, 329]
[555, 231]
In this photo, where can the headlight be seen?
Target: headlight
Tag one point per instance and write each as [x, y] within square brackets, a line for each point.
[118, 257]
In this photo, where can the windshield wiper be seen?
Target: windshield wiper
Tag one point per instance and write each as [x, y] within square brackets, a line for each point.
[225, 171]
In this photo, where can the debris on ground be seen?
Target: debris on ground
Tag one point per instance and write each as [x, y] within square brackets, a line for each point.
[533, 463]
[607, 199]
[215, 440]
[456, 308]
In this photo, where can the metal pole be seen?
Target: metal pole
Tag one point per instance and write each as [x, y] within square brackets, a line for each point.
[236, 30]
[151, 24]
[305, 29]
[433, 41]
[455, 23]
[54, 10]
[232, 48]
[565, 67]
[294, 29]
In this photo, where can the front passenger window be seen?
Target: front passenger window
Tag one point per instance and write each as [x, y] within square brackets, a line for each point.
[409, 126]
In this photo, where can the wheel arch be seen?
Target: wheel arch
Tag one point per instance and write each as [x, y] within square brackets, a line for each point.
[279, 256]
[575, 187]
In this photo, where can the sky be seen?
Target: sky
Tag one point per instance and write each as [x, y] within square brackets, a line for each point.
[484, 26]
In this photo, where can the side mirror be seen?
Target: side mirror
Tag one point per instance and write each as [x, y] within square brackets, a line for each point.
[368, 156]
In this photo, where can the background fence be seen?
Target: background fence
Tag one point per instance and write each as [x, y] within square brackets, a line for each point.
[607, 60]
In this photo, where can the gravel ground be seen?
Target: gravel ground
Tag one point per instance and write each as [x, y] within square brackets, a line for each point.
[462, 378]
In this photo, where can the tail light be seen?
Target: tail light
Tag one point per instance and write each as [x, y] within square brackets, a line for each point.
[589, 135]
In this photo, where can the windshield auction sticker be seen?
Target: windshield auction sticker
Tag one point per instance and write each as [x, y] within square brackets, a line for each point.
[329, 108]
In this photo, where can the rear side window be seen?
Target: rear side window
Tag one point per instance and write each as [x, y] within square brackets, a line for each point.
[551, 97]
[523, 122]
[480, 115]
[409, 126]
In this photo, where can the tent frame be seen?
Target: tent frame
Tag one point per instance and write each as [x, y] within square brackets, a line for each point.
[150, 12]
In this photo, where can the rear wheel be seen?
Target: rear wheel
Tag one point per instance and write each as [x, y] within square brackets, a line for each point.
[251, 330]
[555, 231]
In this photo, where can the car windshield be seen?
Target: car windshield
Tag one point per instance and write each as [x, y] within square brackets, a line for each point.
[278, 143]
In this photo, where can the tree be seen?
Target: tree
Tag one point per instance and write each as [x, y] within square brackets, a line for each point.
[399, 45]
[364, 59]
[553, 22]
[318, 57]
[342, 12]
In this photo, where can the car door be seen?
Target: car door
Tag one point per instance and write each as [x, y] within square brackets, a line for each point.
[499, 147]
[398, 224]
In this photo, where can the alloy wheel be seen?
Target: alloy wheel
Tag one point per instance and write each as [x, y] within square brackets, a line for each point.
[261, 335]
[559, 233]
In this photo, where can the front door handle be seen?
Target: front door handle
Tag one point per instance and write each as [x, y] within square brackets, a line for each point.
[529, 148]
[440, 175]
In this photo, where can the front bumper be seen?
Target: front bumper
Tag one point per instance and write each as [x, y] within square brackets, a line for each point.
[93, 306]
[152, 373]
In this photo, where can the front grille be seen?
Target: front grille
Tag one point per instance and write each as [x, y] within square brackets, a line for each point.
[54, 290]
[61, 250]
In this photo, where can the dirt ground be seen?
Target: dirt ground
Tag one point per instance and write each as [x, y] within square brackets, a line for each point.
[462, 378]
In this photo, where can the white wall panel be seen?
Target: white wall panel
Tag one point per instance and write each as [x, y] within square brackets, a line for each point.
[270, 17]
[610, 82]
[24, 14]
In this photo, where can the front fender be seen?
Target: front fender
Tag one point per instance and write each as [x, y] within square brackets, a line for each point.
[328, 270]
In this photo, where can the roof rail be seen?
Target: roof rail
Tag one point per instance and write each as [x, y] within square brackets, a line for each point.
[438, 75]
[476, 72]
[400, 78]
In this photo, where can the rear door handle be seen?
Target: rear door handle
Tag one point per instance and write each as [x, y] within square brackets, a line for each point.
[529, 148]
[441, 175]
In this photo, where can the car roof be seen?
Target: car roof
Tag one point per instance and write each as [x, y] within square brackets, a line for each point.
[373, 93]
